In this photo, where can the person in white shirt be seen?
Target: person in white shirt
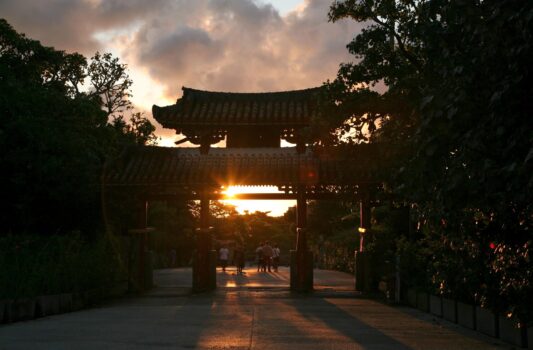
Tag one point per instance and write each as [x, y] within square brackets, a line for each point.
[275, 257]
[223, 255]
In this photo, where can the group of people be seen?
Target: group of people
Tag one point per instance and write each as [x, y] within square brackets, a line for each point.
[267, 257]
[238, 258]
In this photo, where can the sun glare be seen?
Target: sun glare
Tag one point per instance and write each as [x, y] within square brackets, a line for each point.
[273, 207]
[231, 191]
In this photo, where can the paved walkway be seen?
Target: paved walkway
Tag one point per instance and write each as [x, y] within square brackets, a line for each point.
[254, 311]
[324, 280]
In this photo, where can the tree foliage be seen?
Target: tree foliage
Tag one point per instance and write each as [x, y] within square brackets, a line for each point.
[250, 229]
[55, 136]
[333, 236]
[455, 114]
[457, 77]
[110, 81]
[138, 130]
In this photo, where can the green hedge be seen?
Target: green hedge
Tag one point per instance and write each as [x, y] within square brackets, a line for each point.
[32, 265]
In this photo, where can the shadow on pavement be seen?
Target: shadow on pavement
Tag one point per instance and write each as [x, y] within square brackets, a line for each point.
[347, 324]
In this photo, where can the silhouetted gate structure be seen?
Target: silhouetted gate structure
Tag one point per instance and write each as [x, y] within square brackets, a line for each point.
[253, 125]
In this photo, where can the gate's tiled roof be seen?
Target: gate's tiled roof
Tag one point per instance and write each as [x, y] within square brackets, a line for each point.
[162, 166]
[199, 108]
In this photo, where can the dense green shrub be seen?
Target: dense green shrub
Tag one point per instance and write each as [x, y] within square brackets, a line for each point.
[33, 265]
[336, 251]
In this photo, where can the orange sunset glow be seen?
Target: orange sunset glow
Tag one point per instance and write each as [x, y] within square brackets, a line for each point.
[273, 207]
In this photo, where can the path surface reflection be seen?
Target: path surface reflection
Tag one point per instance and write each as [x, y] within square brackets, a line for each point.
[242, 317]
[182, 277]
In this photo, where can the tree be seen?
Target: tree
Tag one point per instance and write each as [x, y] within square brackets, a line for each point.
[332, 233]
[139, 130]
[54, 137]
[447, 67]
[455, 115]
[110, 81]
[110, 84]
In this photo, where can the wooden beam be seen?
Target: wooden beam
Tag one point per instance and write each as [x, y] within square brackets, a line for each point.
[204, 212]
[301, 210]
[252, 196]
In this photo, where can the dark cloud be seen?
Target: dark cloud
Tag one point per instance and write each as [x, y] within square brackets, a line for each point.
[72, 24]
[232, 45]
[240, 45]
[164, 60]
[211, 44]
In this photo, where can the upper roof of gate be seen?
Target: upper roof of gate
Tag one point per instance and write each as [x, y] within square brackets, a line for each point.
[219, 109]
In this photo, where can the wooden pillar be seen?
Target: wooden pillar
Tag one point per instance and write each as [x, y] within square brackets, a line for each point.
[203, 265]
[301, 223]
[204, 212]
[141, 224]
[301, 260]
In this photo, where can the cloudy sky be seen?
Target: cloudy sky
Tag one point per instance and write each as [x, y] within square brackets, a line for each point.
[224, 45]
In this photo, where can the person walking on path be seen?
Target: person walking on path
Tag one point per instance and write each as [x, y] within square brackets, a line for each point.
[238, 257]
[259, 255]
[267, 256]
[275, 257]
[223, 255]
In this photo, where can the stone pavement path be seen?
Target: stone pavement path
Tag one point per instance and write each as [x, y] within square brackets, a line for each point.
[323, 279]
[245, 316]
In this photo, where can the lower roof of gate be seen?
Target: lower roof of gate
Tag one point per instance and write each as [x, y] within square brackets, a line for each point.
[164, 166]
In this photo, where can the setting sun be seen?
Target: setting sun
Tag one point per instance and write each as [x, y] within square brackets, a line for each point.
[231, 191]
[273, 207]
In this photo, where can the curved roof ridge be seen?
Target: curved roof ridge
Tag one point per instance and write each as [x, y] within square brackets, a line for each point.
[218, 109]
[194, 90]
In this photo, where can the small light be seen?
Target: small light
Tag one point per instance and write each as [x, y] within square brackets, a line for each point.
[492, 245]
[361, 230]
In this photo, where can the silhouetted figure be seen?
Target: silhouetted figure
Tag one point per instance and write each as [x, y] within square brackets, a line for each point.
[267, 256]
[275, 257]
[223, 256]
[259, 256]
[238, 258]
